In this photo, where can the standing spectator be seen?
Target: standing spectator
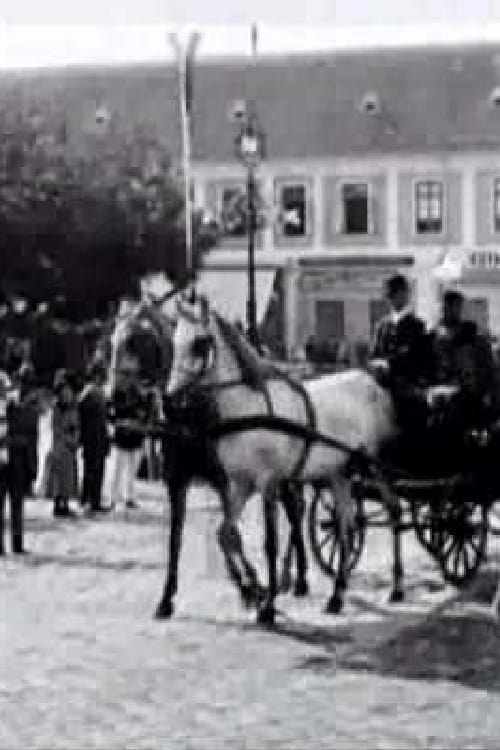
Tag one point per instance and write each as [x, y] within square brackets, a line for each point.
[22, 425]
[65, 440]
[94, 438]
[130, 414]
[4, 460]
[24, 421]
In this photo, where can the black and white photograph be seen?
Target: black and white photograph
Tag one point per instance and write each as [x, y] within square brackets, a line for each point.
[250, 375]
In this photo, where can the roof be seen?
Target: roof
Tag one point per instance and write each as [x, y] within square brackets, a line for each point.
[308, 105]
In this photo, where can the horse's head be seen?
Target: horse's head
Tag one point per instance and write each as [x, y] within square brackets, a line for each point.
[193, 342]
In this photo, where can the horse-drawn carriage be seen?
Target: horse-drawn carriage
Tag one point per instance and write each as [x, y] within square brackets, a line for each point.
[446, 491]
[326, 436]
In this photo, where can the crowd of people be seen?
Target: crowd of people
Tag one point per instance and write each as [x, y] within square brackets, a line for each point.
[84, 417]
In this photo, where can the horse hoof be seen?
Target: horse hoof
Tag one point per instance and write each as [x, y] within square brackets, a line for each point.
[259, 593]
[334, 605]
[285, 584]
[248, 597]
[301, 589]
[396, 597]
[266, 616]
[164, 610]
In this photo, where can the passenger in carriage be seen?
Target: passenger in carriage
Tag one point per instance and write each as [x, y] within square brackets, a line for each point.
[463, 358]
[400, 355]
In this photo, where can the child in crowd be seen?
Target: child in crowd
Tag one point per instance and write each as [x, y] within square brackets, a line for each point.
[63, 483]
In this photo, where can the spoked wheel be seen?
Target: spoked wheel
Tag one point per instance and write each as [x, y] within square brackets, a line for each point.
[428, 525]
[463, 540]
[324, 531]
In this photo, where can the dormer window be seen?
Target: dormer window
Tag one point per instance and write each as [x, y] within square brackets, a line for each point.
[495, 97]
[370, 103]
[102, 115]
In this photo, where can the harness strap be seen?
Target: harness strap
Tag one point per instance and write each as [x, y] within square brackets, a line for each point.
[308, 437]
[298, 430]
[311, 424]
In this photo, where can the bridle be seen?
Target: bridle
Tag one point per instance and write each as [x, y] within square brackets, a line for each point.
[208, 355]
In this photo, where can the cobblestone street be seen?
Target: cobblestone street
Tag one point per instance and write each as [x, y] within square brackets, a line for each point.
[84, 665]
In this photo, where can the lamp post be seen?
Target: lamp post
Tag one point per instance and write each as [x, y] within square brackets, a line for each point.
[249, 146]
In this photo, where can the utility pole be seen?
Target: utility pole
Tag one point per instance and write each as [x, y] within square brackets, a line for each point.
[185, 62]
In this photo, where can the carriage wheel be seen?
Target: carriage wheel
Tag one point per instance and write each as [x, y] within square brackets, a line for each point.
[464, 535]
[324, 532]
[428, 526]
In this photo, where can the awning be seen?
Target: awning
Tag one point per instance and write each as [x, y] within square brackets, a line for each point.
[227, 291]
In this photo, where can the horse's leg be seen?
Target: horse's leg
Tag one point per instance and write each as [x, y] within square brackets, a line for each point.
[346, 511]
[246, 580]
[286, 569]
[177, 492]
[395, 513]
[294, 505]
[267, 613]
[231, 544]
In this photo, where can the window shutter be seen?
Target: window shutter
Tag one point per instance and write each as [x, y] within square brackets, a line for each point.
[339, 214]
[309, 213]
[372, 211]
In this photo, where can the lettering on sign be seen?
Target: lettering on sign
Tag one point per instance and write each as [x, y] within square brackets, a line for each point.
[484, 259]
[318, 281]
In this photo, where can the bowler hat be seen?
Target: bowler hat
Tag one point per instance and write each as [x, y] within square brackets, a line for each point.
[395, 284]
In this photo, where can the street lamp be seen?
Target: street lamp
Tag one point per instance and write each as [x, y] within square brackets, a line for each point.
[249, 148]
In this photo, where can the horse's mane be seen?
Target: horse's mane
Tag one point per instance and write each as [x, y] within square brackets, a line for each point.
[254, 369]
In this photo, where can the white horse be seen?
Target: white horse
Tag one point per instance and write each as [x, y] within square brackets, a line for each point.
[350, 407]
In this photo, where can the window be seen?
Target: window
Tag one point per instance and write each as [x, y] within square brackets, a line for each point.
[232, 212]
[496, 204]
[355, 208]
[429, 206]
[293, 210]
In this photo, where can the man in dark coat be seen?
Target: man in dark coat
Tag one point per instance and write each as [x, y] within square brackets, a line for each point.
[400, 356]
[463, 357]
[400, 350]
[18, 428]
[94, 438]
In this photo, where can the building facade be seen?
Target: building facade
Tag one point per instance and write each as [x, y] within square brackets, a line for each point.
[376, 162]
[345, 224]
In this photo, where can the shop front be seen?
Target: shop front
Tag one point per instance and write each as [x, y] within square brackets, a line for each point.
[342, 299]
